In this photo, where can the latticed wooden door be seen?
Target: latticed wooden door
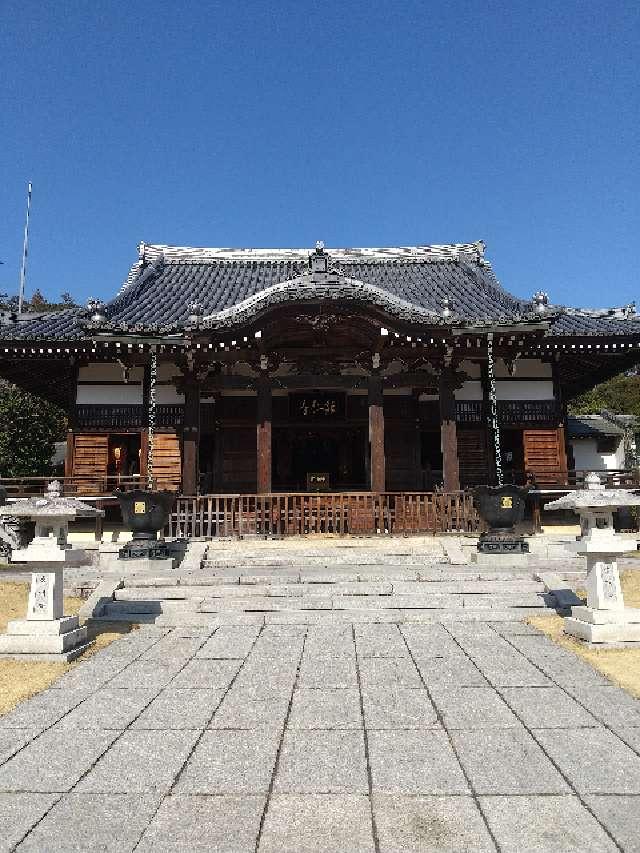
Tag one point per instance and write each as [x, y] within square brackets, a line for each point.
[90, 461]
[544, 455]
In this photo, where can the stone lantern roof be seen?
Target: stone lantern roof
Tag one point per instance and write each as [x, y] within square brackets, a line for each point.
[51, 504]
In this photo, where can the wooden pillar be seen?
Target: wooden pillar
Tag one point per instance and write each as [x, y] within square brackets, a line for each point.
[263, 446]
[376, 435]
[448, 431]
[191, 436]
[68, 456]
[492, 474]
[563, 429]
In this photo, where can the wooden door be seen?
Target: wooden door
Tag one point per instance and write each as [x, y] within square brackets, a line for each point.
[473, 457]
[90, 460]
[167, 465]
[545, 456]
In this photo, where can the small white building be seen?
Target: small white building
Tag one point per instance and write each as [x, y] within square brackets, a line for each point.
[596, 443]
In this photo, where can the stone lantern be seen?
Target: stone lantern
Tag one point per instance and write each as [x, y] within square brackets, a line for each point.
[605, 619]
[46, 633]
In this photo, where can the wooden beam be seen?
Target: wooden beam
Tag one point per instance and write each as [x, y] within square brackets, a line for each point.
[191, 436]
[448, 431]
[376, 434]
[491, 450]
[265, 406]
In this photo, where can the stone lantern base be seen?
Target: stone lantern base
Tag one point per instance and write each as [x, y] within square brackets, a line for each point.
[604, 626]
[60, 640]
[46, 634]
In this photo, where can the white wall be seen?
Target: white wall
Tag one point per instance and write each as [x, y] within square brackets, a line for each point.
[587, 458]
[524, 368]
[521, 389]
[469, 391]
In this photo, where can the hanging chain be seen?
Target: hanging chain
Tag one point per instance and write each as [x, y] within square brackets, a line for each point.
[493, 413]
[153, 379]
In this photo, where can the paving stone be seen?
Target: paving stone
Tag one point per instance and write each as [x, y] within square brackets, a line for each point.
[507, 761]
[229, 642]
[544, 825]
[337, 673]
[317, 823]
[594, 760]
[473, 708]
[414, 762]
[508, 670]
[322, 762]
[388, 672]
[612, 705]
[398, 708]
[244, 708]
[329, 642]
[230, 762]
[430, 824]
[209, 674]
[547, 708]
[182, 708]
[459, 671]
[430, 641]
[515, 629]
[171, 648]
[621, 817]
[228, 824]
[146, 673]
[112, 823]
[55, 760]
[11, 740]
[631, 736]
[91, 674]
[41, 711]
[109, 708]
[267, 682]
[325, 709]
[18, 813]
[140, 762]
[379, 641]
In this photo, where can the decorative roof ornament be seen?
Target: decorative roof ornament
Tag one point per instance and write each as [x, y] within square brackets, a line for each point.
[592, 482]
[540, 301]
[196, 311]
[95, 307]
[319, 259]
[447, 306]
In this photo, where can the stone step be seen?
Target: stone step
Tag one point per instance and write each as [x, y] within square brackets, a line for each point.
[122, 607]
[245, 590]
[324, 617]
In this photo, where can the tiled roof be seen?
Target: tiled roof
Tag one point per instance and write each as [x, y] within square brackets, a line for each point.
[231, 286]
[592, 426]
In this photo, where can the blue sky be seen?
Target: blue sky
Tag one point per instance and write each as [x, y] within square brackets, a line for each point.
[360, 123]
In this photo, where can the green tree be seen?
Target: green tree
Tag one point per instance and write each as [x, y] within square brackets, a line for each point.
[620, 395]
[29, 428]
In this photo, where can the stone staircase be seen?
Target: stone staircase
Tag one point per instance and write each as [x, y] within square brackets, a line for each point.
[301, 582]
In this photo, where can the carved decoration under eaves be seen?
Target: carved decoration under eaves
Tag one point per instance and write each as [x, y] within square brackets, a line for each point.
[394, 367]
[454, 377]
[318, 322]
[243, 368]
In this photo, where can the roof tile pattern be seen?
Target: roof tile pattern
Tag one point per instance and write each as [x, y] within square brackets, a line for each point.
[412, 283]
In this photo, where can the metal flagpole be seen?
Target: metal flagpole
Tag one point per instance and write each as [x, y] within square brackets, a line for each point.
[25, 248]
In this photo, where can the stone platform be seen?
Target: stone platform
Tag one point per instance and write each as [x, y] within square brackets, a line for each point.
[360, 738]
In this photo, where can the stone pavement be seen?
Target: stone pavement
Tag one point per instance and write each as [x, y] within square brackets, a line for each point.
[464, 736]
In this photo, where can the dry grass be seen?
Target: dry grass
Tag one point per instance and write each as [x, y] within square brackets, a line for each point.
[621, 666]
[20, 679]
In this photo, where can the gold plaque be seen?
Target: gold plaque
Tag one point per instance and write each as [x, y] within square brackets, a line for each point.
[139, 507]
[506, 503]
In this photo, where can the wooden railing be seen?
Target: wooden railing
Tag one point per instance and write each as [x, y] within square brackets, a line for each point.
[297, 514]
[126, 416]
[24, 487]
